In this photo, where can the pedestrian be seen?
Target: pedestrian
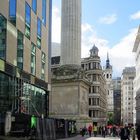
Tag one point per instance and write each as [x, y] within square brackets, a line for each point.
[138, 131]
[114, 131]
[89, 130]
[125, 133]
[133, 133]
[83, 131]
[26, 131]
[103, 131]
[95, 130]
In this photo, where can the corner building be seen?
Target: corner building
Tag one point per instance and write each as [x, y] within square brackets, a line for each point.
[25, 42]
[127, 95]
[136, 109]
[98, 88]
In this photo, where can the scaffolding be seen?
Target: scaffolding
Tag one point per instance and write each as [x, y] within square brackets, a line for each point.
[22, 101]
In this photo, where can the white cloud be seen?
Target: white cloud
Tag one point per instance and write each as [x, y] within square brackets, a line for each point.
[56, 25]
[120, 54]
[135, 16]
[109, 19]
[89, 38]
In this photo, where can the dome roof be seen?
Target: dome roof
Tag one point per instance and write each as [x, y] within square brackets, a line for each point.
[94, 48]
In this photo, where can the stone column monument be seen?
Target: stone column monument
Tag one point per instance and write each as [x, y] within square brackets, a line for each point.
[69, 98]
[71, 32]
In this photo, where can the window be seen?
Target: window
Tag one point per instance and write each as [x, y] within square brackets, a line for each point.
[12, 11]
[89, 66]
[107, 76]
[19, 50]
[33, 59]
[90, 113]
[94, 65]
[38, 33]
[89, 101]
[3, 23]
[97, 101]
[93, 89]
[94, 77]
[27, 20]
[90, 90]
[34, 5]
[38, 27]
[44, 12]
[43, 59]
[83, 66]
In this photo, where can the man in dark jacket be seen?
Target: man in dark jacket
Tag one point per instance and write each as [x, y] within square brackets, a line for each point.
[138, 131]
[125, 133]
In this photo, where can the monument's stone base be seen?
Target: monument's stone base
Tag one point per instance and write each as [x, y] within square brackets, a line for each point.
[69, 96]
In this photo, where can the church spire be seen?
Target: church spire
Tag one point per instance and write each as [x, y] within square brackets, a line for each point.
[107, 62]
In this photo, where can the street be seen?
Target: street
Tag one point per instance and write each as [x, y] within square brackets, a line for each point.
[91, 138]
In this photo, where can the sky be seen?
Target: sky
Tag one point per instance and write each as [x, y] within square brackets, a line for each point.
[111, 25]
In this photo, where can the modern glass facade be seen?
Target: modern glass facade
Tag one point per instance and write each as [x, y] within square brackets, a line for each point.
[33, 59]
[39, 33]
[3, 23]
[23, 86]
[12, 11]
[34, 5]
[44, 12]
[27, 20]
[43, 61]
[6, 93]
[20, 48]
[19, 96]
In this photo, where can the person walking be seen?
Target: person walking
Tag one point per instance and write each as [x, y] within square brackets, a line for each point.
[104, 131]
[138, 131]
[89, 130]
[125, 133]
[95, 130]
[133, 133]
[83, 131]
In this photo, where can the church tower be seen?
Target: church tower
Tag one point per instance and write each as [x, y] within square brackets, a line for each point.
[108, 77]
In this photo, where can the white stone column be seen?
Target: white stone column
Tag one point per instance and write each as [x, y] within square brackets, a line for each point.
[71, 32]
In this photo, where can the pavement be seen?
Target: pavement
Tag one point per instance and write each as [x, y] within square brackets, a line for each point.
[78, 137]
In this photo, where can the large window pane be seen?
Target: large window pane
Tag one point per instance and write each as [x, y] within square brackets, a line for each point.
[12, 8]
[38, 33]
[27, 20]
[12, 11]
[28, 14]
[33, 59]
[20, 50]
[2, 37]
[44, 12]
[39, 27]
[43, 59]
[34, 5]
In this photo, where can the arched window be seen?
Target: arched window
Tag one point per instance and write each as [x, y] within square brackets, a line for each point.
[107, 76]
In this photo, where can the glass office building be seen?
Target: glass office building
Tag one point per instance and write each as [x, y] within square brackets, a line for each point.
[25, 44]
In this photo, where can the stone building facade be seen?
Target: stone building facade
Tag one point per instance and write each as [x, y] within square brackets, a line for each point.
[98, 90]
[136, 49]
[127, 96]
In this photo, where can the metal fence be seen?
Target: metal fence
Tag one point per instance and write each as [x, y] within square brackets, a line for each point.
[43, 129]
